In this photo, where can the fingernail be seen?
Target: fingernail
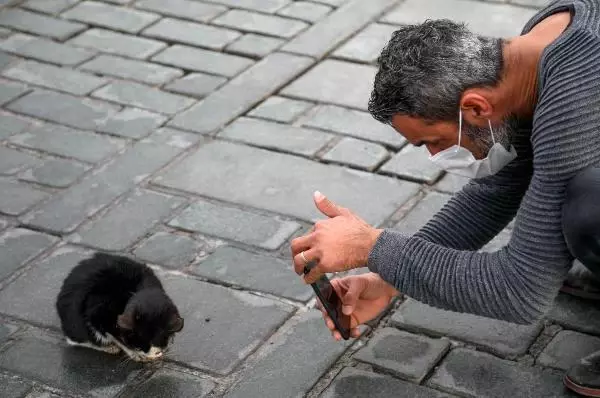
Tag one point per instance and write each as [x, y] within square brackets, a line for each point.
[319, 196]
[347, 310]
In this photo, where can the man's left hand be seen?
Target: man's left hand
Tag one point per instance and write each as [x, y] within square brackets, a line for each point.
[340, 243]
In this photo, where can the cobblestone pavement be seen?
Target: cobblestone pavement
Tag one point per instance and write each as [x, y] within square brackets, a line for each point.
[191, 134]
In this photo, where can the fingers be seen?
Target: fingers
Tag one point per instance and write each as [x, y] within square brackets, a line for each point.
[301, 244]
[355, 288]
[301, 259]
[327, 207]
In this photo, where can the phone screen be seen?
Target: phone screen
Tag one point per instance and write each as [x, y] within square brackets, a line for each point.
[333, 305]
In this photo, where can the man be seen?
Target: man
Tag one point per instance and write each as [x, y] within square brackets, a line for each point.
[521, 117]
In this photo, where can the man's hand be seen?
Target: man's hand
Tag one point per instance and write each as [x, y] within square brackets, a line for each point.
[340, 243]
[364, 297]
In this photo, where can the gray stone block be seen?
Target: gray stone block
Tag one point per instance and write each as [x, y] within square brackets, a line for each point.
[241, 93]
[6, 60]
[17, 197]
[334, 3]
[110, 42]
[280, 109]
[577, 314]
[13, 387]
[169, 250]
[45, 279]
[138, 95]
[10, 125]
[254, 272]
[351, 382]
[499, 241]
[111, 17]
[305, 11]
[197, 85]
[184, 9]
[366, 45]
[268, 6]
[212, 338]
[67, 142]
[253, 22]
[293, 361]
[281, 137]
[413, 163]
[352, 123]
[70, 208]
[40, 25]
[337, 27]
[357, 153]
[46, 50]
[20, 246]
[475, 374]
[372, 197]
[58, 173]
[423, 211]
[255, 45]
[169, 383]
[499, 337]
[199, 60]
[408, 356]
[49, 7]
[55, 78]
[82, 113]
[131, 123]
[451, 183]
[531, 3]
[128, 69]
[335, 82]
[567, 348]
[45, 358]
[503, 20]
[6, 330]
[235, 224]
[10, 91]
[194, 34]
[13, 161]
[128, 221]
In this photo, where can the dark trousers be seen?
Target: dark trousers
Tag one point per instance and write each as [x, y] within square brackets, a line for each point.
[581, 218]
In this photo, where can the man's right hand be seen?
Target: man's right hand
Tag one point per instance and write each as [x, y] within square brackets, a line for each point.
[364, 297]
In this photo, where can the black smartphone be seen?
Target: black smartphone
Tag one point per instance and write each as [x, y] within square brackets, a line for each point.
[332, 303]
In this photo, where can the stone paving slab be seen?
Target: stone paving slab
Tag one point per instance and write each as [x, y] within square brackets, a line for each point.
[366, 45]
[117, 43]
[190, 33]
[567, 348]
[12, 161]
[352, 382]
[13, 387]
[169, 250]
[252, 271]
[19, 197]
[576, 314]
[491, 19]
[501, 338]
[259, 23]
[45, 50]
[37, 24]
[470, 373]
[235, 224]
[139, 71]
[280, 109]
[11, 90]
[271, 184]
[184, 9]
[408, 356]
[18, 246]
[58, 173]
[218, 336]
[169, 383]
[81, 370]
[413, 163]
[292, 362]
[419, 215]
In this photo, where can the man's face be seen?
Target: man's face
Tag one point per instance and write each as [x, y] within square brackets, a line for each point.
[438, 136]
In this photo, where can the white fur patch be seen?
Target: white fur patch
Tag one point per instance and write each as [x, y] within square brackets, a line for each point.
[110, 349]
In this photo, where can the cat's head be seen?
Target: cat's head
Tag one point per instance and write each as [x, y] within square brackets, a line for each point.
[148, 323]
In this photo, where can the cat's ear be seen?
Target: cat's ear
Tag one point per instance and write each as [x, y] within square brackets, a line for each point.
[125, 322]
[175, 324]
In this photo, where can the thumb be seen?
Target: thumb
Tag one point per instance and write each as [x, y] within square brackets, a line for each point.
[350, 299]
[326, 206]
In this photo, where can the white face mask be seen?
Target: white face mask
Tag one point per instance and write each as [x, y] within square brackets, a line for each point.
[459, 160]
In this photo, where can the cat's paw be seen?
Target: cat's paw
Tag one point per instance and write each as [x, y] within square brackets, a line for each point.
[111, 349]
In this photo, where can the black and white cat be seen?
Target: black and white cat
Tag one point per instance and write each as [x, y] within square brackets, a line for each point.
[112, 303]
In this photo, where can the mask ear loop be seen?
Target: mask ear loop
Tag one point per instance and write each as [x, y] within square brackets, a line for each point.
[459, 125]
[491, 131]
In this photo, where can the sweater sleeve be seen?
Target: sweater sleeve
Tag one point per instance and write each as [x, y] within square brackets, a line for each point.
[484, 207]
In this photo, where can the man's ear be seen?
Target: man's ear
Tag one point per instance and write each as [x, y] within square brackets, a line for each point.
[125, 322]
[175, 324]
[476, 108]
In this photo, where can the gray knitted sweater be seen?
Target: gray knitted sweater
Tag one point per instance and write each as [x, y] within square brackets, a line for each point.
[440, 265]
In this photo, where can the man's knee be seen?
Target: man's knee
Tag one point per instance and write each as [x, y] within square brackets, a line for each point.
[581, 216]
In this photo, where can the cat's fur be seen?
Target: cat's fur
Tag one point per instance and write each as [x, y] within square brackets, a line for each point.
[112, 303]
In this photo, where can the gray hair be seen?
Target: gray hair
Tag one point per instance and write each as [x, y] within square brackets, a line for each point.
[425, 68]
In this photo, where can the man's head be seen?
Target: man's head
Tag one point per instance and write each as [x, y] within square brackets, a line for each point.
[427, 73]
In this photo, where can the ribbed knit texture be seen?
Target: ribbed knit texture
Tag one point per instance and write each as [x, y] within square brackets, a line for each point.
[440, 265]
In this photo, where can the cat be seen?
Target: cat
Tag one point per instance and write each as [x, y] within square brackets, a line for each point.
[112, 303]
